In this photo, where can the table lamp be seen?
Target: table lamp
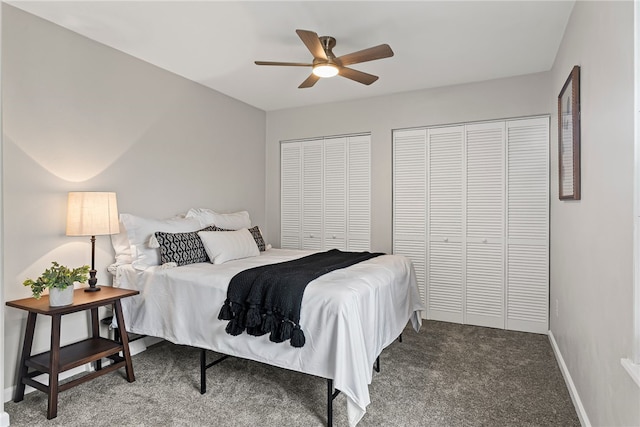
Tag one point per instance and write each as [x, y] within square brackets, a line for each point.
[92, 214]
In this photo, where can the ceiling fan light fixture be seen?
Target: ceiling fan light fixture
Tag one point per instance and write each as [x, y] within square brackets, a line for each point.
[325, 70]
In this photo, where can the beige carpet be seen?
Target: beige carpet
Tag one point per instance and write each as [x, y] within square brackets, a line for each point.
[446, 375]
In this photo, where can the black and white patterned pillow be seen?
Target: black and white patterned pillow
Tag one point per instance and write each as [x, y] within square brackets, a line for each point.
[255, 232]
[182, 248]
[257, 236]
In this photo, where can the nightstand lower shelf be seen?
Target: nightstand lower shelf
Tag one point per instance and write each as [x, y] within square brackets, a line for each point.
[77, 354]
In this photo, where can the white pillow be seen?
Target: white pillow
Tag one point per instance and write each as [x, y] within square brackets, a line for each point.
[139, 230]
[223, 246]
[230, 221]
[121, 246]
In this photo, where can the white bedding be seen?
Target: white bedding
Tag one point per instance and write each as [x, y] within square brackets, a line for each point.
[348, 316]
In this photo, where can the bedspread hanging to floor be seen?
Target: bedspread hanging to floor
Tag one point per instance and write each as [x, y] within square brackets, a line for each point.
[266, 299]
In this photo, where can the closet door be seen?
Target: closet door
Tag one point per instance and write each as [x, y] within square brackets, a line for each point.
[485, 194]
[410, 201]
[359, 193]
[335, 193]
[527, 289]
[290, 195]
[326, 193]
[445, 227]
[312, 201]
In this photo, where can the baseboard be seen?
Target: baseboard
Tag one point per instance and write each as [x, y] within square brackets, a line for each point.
[4, 419]
[633, 369]
[140, 345]
[573, 392]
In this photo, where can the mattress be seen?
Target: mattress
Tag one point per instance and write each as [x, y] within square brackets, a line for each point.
[348, 316]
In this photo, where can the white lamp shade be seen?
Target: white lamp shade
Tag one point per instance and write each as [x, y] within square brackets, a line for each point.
[92, 214]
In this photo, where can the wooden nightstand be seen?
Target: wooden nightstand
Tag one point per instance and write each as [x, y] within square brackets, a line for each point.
[58, 359]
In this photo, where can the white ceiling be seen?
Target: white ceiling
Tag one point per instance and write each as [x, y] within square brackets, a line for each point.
[436, 43]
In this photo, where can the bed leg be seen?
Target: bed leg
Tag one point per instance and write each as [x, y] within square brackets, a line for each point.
[203, 371]
[204, 366]
[331, 394]
[400, 338]
[329, 403]
[376, 367]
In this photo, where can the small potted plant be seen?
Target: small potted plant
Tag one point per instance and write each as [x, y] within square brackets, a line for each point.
[59, 280]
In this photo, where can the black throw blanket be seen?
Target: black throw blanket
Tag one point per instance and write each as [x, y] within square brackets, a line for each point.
[267, 299]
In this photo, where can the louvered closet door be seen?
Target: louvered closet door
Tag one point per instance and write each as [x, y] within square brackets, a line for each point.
[359, 193]
[312, 203]
[528, 225]
[290, 195]
[410, 201]
[485, 193]
[445, 257]
[335, 193]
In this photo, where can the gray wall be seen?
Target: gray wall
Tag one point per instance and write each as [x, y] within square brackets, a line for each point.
[592, 239]
[504, 98]
[81, 116]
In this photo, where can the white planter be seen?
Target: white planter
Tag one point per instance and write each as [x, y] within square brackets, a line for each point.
[59, 298]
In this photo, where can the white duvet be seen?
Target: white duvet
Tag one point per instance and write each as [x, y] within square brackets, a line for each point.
[348, 316]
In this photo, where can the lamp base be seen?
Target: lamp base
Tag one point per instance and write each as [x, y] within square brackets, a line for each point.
[92, 273]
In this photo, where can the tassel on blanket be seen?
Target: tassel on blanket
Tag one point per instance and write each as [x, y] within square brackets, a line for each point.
[255, 331]
[225, 311]
[233, 327]
[275, 333]
[297, 337]
[253, 317]
[241, 315]
[269, 324]
[286, 327]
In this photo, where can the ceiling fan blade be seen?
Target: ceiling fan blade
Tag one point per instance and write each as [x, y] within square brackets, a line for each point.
[310, 81]
[312, 41]
[370, 54]
[286, 64]
[358, 76]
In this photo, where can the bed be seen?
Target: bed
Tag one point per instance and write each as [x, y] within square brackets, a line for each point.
[349, 315]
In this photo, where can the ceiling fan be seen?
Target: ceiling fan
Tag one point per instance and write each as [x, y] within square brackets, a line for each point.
[325, 63]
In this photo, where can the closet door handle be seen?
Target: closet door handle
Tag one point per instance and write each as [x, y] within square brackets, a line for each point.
[484, 240]
[446, 239]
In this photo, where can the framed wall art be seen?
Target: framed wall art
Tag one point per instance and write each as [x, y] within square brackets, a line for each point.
[569, 137]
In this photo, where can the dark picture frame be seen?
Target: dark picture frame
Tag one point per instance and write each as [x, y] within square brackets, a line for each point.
[569, 137]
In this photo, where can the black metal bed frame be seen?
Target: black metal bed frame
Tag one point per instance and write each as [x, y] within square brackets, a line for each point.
[331, 392]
